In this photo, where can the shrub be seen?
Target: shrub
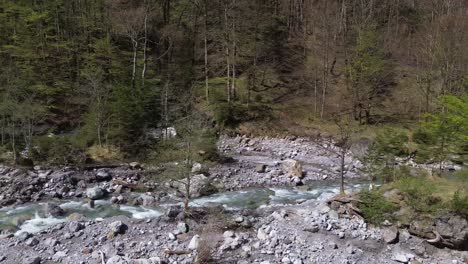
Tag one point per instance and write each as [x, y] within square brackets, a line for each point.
[232, 114]
[422, 136]
[105, 153]
[375, 208]
[419, 194]
[58, 150]
[459, 204]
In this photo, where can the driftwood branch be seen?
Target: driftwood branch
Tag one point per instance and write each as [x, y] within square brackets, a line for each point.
[177, 252]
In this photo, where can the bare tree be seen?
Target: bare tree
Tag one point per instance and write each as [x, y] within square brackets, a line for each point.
[341, 144]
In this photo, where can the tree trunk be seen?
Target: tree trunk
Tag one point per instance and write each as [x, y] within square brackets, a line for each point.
[342, 171]
[135, 58]
[145, 46]
[228, 70]
[205, 33]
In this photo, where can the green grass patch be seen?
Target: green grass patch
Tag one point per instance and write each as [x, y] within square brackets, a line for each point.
[375, 208]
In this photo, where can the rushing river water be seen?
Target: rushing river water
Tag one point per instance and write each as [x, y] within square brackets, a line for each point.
[30, 217]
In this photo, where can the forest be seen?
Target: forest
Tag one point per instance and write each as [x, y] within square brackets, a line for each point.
[233, 131]
[103, 74]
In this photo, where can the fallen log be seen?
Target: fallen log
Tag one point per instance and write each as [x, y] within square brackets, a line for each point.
[177, 252]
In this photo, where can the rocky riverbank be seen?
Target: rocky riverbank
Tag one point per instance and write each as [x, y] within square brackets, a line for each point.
[305, 231]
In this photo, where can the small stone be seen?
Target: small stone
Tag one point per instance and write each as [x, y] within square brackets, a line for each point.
[75, 226]
[87, 251]
[194, 242]
[400, 257]
[228, 234]
[117, 227]
[171, 236]
[182, 227]
[341, 235]
[24, 235]
[33, 260]
[286, 260]
[390, 235]
[134, 165]
[239, 219]
[59, 255]
[32, 242]
[260, 168]
[261, 234]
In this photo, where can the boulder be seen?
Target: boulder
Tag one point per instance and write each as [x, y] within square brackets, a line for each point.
[260, 168]
[24, 235]
[103, 175]
[390, 235]
[33, 260]
[294, 168]
[199, 185]
[32, 242]
[119, 260]
[118, 227]
[173, 211]
[182, 227]
[454, 231]
[53, 210]
[75, 226]
[198, 168]
[135, 165]
[95, 193]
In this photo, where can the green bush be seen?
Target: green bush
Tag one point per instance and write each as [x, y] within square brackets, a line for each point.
[58, 150]
[459, 204]
[391, 142]
[232, 114]
[419, 194]
[422, 136]
[375, 208]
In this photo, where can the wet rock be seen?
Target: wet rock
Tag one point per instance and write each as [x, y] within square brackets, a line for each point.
[95, 193]
[53, 210]
[75, 226]
[75, 217]
[390, 235]
[23, 236]
[200, 185]
[173, 211]
[146, 200]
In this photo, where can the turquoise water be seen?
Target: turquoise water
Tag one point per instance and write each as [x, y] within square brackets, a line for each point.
[31, 217]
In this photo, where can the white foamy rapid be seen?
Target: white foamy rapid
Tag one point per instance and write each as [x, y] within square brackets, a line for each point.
[141, 212]
[38, 224]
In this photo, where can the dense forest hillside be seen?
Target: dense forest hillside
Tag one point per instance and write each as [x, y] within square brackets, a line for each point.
[234, 131]
[104, 74]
